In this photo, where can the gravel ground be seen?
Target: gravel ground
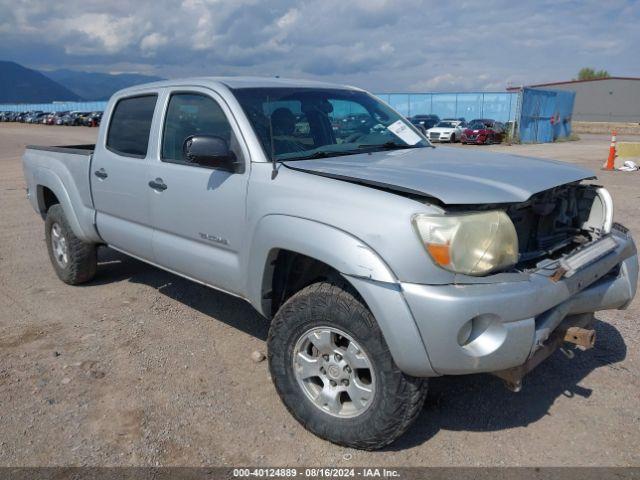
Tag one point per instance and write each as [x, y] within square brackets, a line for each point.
[141, 367]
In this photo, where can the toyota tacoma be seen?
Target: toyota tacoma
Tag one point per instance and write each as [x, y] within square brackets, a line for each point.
[379, 260]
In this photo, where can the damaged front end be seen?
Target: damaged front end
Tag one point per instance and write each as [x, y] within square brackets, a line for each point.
[560, 232]
[565, 227]
[571, 261]
[556, 223]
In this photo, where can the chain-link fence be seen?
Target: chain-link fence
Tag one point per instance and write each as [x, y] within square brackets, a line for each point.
[533, 115]
[54, 107]
[498, 106]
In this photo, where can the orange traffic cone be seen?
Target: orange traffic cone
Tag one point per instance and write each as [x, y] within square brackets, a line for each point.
[609, 165]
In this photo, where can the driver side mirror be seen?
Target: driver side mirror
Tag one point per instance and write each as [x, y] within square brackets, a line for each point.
[210, 151]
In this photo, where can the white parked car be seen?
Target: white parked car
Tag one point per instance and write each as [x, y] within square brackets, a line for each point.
[446, 131]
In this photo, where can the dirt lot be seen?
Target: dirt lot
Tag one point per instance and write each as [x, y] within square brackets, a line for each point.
[141, 367]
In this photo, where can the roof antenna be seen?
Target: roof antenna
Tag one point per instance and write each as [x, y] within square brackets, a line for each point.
[274, 167]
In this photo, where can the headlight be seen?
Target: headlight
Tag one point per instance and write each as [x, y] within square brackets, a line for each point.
[473, 244]
[601, 214]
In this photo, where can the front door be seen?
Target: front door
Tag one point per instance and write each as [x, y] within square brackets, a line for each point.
[119, 177]
[198, 212]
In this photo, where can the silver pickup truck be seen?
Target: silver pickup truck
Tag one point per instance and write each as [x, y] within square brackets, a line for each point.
[379, 260]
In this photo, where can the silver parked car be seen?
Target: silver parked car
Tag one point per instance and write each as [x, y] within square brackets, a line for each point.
[380, 260]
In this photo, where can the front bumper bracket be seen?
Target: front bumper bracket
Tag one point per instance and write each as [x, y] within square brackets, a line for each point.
[574, 329]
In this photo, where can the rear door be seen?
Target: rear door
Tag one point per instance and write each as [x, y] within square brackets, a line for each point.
[199, 212]
[120, 176]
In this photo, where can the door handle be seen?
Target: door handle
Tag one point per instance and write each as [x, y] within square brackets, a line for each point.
[101, 173]
[158, 184]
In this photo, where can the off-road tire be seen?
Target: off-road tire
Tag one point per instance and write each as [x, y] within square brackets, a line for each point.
[398, 398]
[82, 257]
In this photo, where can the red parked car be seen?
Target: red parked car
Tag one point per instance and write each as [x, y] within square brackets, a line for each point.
[482, 132]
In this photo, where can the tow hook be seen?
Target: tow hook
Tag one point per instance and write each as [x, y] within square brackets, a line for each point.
[581, 337]
[558, 274]
[514, 385]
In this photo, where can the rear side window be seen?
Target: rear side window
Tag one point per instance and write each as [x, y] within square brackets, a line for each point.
[130, 126]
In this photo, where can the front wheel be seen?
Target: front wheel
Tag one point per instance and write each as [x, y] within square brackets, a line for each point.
[73, 260]
[334, 372]
[453, 138]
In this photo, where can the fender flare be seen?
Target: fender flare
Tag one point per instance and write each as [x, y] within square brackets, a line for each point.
[338, 249]
[45, 177]
[358, 263]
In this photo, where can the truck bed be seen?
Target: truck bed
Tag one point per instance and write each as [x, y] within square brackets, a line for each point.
[65, 172]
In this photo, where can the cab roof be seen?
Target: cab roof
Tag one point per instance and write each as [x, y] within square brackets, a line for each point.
[237, 83]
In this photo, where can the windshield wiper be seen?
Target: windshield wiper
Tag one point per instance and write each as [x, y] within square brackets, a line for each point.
[390, 145]
[320, 154]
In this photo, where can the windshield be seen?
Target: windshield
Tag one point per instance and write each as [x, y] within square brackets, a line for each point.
[446, 125]
[302, 123]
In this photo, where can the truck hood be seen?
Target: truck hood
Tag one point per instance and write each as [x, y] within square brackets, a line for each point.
[455, 176]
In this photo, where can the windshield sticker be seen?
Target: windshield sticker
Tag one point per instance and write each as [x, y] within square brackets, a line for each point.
[402, 131]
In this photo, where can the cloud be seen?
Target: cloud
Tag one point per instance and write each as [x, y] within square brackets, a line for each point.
[288, 19]
[381, 45]
[101, 32]
[152, 42]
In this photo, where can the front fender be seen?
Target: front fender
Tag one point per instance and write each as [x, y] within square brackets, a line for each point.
[338, 249]
[357, 262]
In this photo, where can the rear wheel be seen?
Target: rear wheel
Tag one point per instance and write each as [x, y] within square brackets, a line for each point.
[73, 260]
[334, 372]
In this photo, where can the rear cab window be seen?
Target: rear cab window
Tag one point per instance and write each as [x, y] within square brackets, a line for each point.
[130, 125]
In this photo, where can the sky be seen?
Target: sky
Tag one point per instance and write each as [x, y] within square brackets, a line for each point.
[380, 45]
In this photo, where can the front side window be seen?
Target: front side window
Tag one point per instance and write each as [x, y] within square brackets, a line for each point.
[301, 123]
[191, 114]
[130, 126]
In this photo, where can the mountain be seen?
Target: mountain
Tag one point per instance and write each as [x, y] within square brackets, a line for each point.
[97, 86]
[19, 84]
